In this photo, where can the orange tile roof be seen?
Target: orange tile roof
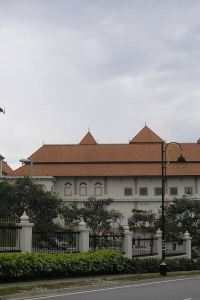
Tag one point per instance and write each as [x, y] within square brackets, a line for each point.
[146, 135]
[88, 140]
[134, 159]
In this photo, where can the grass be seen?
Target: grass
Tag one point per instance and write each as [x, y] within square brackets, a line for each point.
[28, 287]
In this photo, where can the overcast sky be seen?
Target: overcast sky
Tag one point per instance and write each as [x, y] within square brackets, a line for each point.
[107, 65]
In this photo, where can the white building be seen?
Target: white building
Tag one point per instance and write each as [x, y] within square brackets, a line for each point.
[130, 173]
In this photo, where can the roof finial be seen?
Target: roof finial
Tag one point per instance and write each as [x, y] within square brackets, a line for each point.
[145, 123]
[89, 129]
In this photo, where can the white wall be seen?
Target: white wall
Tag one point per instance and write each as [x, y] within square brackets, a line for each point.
[115, 189]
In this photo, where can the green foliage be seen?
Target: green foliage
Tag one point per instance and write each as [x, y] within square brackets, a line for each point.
[152, 265]
[72, 215]
[142, 221]
[24, 195]
[95, 212]
[97, 215]
[15, 266]
[181, 216]
[26, 266]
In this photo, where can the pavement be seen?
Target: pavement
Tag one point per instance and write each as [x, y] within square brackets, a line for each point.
[47, 286]
[50, 286]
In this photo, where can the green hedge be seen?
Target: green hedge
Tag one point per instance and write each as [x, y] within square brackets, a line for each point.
[152, 265]
[35, 265]
[15, 266]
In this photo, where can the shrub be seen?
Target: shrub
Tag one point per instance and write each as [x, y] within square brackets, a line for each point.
[15, 266]
[35, 265]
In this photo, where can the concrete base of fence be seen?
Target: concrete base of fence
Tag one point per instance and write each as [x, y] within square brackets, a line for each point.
[159, 242]
[25, 233]
[188, 240]
[83, 237]
[127, 242]
[188, 248]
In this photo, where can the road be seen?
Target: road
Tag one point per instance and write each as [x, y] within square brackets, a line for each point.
[169, 289]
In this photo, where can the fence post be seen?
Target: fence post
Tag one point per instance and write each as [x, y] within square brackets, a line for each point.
[159, 242]
[83, 237]
[128, 242]
[188, 241]
[25, 233]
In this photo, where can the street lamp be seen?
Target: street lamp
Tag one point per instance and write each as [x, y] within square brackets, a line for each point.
[2, 110]
[180, 159]
[25, 161]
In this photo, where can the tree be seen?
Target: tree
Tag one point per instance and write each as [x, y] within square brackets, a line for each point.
[181, 216]
[98, 217]
[143, 221]
[24, 195]
[72, 215]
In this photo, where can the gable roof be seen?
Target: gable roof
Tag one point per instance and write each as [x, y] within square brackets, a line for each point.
[142, 157]
[146, 135]
[88, 140]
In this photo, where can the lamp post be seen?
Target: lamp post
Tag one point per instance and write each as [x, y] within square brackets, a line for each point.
[25, 161]
[180, 159]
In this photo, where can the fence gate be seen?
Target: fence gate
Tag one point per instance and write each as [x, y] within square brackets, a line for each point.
[9, 236]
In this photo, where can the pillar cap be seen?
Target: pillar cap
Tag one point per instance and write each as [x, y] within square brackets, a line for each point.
[24, 218]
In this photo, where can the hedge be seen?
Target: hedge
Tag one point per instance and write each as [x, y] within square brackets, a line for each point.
[36, 265]
[15, 266]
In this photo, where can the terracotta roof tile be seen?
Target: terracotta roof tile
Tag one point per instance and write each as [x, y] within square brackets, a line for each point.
[143, 169]
[88, 140]
[6, 168]
[142, 157]
[146, 135]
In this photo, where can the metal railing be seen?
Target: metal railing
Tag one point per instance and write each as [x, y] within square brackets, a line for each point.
[54, 241]
[106, 242]
[144, 246]
[9, 235]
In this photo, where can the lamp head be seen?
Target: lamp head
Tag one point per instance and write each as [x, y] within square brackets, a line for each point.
[181, 159]
[25, 161]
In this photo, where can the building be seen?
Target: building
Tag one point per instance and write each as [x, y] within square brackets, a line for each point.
[5, 169]
[129, 173]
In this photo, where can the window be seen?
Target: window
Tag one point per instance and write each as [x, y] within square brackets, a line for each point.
[143, 191]
[128, 192]
[188, 190]
[173, 191]
[158, 191]
[83, 189]
[68, 189]
[98, 189]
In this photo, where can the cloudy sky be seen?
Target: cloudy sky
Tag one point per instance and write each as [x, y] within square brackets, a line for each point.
[107, 65]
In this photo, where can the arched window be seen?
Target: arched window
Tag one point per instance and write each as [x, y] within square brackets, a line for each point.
[68, 189]
[98, 189]
[83, 189]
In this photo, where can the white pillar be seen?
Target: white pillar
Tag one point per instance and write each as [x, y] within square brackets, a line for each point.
[188, 241]
[83, 237]
[159, 242]
[128, 242]
[25, 233]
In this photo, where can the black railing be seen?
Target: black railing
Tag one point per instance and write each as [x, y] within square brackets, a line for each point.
[106, 241]
[9, 236]
[56, 240]
[144, 246]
